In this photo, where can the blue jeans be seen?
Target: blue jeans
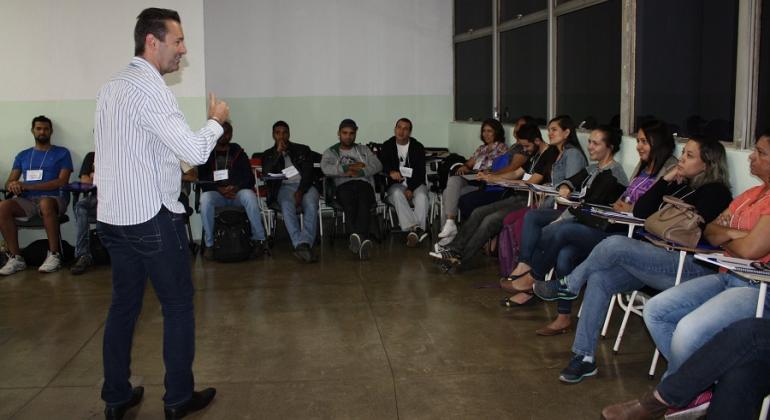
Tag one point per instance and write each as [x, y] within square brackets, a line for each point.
[682, 319]
[620, 264]
[532, 229]
[158, 249]
[84, 208]
[738, 359]
[309, 210]
[245, 198]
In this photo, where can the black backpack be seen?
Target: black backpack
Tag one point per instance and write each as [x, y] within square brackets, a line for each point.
[98, 251]
[35, 253]
[232, 235]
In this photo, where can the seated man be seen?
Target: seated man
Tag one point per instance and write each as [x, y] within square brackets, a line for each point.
[45, 169]
[295, 161]
[228, 181]
[85, 208]
[403, 160]
[352, 167]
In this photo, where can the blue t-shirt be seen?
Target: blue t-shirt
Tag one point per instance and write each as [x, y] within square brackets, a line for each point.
[500, 162]
[51, 162]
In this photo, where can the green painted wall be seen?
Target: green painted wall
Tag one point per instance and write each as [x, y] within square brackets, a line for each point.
[314, 120]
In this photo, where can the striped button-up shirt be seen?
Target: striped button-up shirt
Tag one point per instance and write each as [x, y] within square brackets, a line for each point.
[141, 136]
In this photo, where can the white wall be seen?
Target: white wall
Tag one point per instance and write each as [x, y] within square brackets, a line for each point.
[285, 48]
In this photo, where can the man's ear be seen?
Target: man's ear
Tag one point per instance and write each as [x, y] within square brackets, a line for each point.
[150, 41]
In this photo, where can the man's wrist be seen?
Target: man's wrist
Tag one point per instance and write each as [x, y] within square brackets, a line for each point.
[216, 119]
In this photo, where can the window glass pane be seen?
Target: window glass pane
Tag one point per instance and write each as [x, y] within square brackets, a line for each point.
[588, 64]
[510, 9]
[685, 69]
[473, 79]
[524, 72]
[472, 14]
[763, 95]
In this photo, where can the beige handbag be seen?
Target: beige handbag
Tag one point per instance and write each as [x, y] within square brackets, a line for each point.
[676, 222]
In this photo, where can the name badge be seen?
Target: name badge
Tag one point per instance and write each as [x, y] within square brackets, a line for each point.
[405, 172]
[34, 175]
[526, 177]
[477, 166]
[220, 175]
[290, 172]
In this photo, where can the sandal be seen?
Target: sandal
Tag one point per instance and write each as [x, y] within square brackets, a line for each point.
[507, 284]
[508, 303]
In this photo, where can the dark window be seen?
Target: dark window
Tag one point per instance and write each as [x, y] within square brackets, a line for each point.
[473, 79]
[763, 95]
[472, 14]
[510, 9]
[588, 68]
[685, 65]
[523, 72]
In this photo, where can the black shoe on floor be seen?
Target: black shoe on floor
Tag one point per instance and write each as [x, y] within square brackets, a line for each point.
[199, 401]
[82, 264]
[304, 253]
[117, 412]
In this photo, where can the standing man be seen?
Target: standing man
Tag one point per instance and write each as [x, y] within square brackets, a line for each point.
[297, 192]
[36, 179]
[141, 136]
[352, 167]
[403, 160]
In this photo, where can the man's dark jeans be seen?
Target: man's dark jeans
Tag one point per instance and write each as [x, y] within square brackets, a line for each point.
[158, 249]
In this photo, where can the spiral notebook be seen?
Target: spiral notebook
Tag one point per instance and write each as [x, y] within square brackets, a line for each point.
[738, 265]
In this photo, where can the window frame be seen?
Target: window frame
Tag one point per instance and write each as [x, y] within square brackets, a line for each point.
[747, 60]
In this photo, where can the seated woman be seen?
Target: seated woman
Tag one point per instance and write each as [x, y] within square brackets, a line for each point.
[509, 162]
[552, 162]
[737, 359]
[621, 264]
[600, 183]
[683, 318]
[493, 137]
[571, 243]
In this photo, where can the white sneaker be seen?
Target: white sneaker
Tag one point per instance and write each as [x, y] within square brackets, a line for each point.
[52, 263]
[447, 240]
[449, 229]
[14, 265]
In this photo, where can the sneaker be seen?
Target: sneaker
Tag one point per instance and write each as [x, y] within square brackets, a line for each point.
[577, 370]
[208, 253]
[421, 234]
[553, 290]
[14, 264]
[694, 410]
[82, 264]
[446, 241]
[51, 264]
[449, 229]
[412, 239]
[355, 243]
[259, 248]
[446, 255]
[437, 248]
[365, 251]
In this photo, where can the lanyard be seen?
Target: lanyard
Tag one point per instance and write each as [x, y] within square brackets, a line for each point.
[227, 158]
[406, 160]
[32, 156]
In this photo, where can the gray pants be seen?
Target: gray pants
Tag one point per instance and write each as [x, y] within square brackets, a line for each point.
[456, 187]
[408, 217]
[485, 222]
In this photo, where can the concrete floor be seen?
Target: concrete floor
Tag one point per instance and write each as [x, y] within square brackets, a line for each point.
[390, 338]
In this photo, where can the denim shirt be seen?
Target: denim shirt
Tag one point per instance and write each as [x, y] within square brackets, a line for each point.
[570, 163]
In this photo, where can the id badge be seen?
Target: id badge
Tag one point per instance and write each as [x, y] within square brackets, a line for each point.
[220, 175]
[526, 177]
[405, 172]
[34, 175]
[290, 172]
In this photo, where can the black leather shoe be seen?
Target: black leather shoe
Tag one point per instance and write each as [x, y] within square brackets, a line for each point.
[199, 401]
[117, 412]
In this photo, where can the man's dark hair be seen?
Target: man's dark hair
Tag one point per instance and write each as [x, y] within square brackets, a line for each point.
[530, 132]
[152, 21]
[406, 120]
[43, 119]
[280, 123]
[227, 127]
